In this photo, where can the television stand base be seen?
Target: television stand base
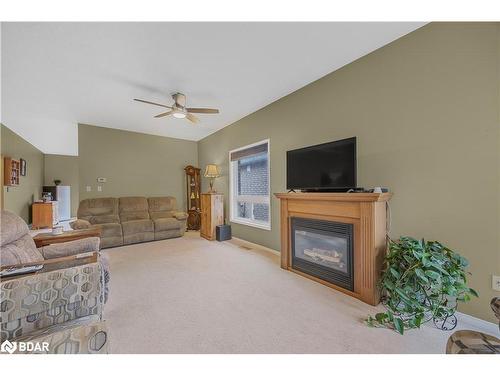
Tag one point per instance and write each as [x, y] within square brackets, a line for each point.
[334, 190]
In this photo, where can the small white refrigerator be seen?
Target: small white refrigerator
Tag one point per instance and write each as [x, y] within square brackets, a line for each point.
[61, 194]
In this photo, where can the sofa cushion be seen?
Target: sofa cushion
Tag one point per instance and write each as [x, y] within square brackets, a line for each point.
[133, 208]
[166, 224]
[97, 207]
[162, 204]
[103, 219]
[109, 229]
[137, 226]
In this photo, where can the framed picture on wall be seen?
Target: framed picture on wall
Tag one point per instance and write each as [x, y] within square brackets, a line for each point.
[23, 167]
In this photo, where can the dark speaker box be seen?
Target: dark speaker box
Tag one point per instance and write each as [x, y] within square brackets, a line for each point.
[223, 232]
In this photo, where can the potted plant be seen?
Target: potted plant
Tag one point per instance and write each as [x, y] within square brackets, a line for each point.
[57, 182]
[421, 281]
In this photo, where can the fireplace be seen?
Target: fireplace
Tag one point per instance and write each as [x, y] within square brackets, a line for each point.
[336, 239]
[323, 249]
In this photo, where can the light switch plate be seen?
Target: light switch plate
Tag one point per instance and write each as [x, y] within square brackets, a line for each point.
[99, 188]
[88, 188]
[495, 283]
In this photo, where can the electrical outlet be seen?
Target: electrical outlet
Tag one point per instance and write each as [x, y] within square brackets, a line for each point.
[88, 188]
[495, 283]
[99, 188]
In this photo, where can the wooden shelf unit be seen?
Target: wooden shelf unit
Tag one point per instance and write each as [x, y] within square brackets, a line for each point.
[11, 171]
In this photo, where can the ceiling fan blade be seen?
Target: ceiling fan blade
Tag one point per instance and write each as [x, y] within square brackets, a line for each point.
[192, 118]
[202, 110]
[164, 114]
[145, 101]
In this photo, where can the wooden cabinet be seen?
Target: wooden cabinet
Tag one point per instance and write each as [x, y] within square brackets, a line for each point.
[44, 215]
[12, 171]
[212, 214]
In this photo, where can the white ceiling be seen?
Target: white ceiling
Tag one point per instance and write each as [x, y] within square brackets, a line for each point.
[56, 75]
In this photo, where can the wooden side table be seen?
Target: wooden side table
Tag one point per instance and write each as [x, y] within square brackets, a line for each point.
[44, 239]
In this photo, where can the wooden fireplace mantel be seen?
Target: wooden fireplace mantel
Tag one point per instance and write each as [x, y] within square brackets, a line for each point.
[367, 213]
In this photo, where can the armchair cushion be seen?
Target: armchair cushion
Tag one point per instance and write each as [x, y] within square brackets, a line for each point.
[20, 251]
[16, 245]
[13, 227]
[59, 250]
[80, 224]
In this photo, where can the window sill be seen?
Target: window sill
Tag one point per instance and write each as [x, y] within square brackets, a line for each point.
[251, 224]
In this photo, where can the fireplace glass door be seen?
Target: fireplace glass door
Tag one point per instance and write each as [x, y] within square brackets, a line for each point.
[324, 249]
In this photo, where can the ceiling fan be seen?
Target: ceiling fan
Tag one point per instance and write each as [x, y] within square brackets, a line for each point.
[179, 110]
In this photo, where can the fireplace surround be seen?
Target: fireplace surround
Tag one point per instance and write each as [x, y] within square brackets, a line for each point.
[358, 224]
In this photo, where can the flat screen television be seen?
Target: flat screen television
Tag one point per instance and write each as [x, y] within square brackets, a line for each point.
[325, 167]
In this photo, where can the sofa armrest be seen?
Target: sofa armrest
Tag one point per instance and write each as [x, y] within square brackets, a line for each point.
[80, 224]
[180, 215]
[58, 250]
[44, 299]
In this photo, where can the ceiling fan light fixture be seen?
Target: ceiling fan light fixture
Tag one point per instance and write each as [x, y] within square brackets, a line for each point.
[179, 115]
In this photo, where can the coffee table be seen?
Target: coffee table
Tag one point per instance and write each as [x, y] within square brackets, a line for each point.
[44, 239]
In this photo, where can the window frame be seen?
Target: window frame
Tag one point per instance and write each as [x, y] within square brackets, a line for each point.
[232, 217]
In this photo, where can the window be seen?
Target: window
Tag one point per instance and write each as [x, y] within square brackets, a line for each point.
[249, 185]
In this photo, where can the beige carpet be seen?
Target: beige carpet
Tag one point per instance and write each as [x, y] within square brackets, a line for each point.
[189, 295]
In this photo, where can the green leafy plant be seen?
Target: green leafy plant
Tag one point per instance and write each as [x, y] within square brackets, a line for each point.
[421, 281]
[57, 182]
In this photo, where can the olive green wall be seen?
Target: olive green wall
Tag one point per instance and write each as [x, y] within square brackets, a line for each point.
[425, 111]
[133, 163]
[18, 199]
[64, 168]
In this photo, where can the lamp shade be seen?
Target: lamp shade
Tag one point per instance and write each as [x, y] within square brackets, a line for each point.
[212, 171]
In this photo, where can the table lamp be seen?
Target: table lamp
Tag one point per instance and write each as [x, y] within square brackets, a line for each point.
[212, 172]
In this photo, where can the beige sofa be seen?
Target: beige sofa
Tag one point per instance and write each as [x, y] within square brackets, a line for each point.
[129, 220]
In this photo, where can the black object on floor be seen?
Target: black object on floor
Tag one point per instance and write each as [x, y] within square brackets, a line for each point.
[223, 232]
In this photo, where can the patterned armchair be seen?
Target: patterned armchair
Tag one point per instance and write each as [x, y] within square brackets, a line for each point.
[61, 305]
[473, 342]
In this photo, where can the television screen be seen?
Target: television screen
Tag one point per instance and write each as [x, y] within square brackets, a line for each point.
[329, 166]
